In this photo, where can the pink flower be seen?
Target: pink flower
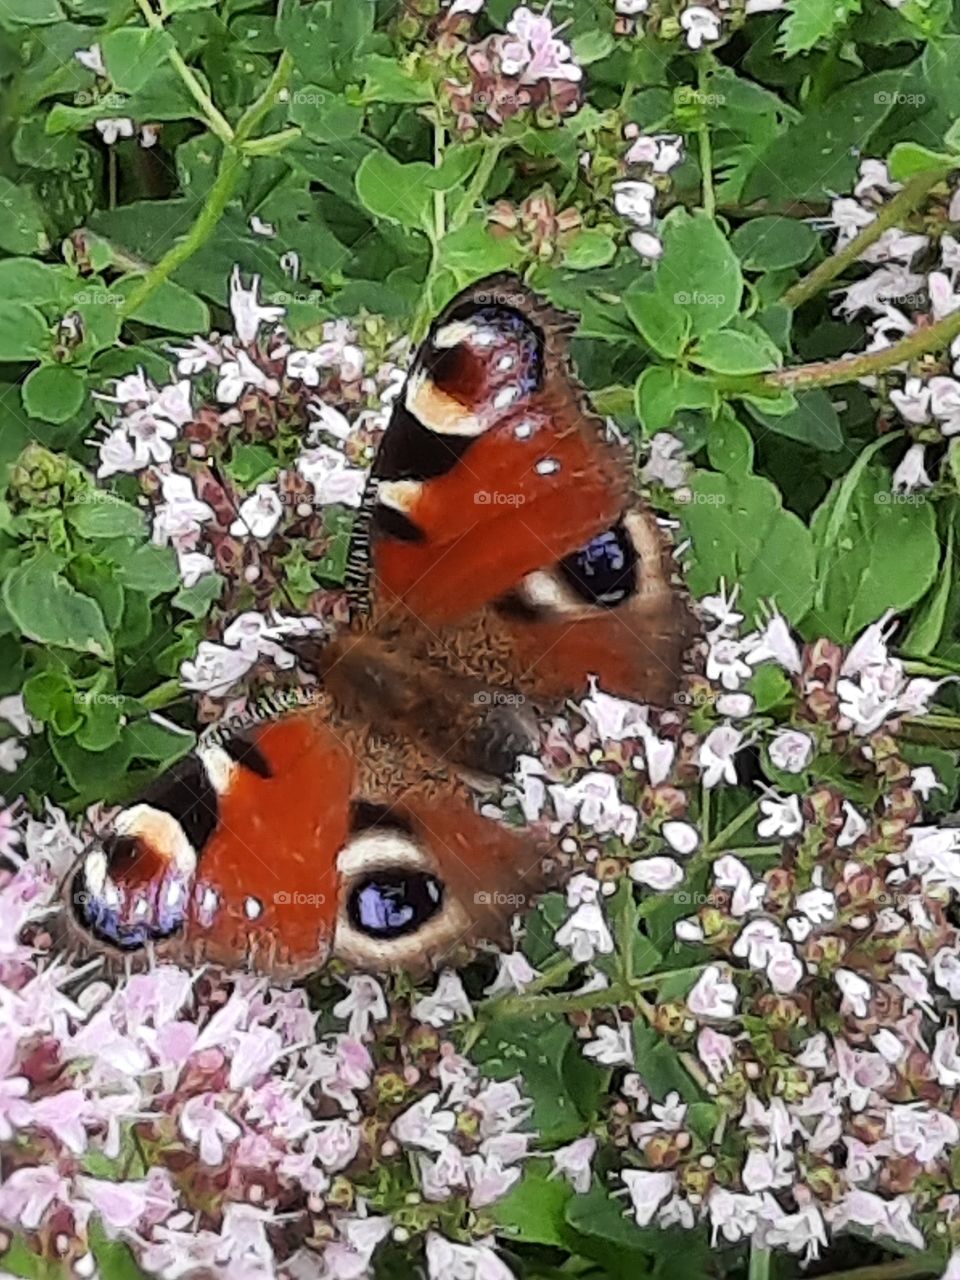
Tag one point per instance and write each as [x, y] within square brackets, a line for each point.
[713, 996]
[535, 53]
[202, 1122]
[573, 1162]
[648, 1190]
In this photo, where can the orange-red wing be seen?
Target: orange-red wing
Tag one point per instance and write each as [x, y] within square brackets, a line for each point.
[492, 465]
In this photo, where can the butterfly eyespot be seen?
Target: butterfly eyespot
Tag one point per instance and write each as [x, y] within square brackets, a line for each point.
[605, 572]
[390, 904]
[117, 901]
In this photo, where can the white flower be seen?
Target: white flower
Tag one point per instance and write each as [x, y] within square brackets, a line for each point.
[595, 801]
[726, 664]
[215, 669]
[613, 1046]
[666, 463]
[248, 314]
[910, 475]
[423, 1126]
[92, 59]
[330, 420]
[582, 888]
[585, 933]
[117, 455]
[611, 718]
[114, 129]
[656, 873]
[193, 565]
[634, 200]
[535, 53]
[662, 151]
[14, 711]
[448, 1002]
[791, 750]
[630, 8]
[923, 778]
[259, 514]
[238, 374]
[333, 479]
[514, 974]
[713, 996]
[817, 904]
[449, 1261]
[700, 24]
[782, 819]
[197, 355]
[364, 1003]
[735, 705]
[849, 217]
[757, 942]
[682, 837]
[716, 1051]
[784, 969]
[777, 644]
[721, 608]
[856, 992]
[573, 1163]
[646, 245]
[716, 753]
[689, 930]
[853, 827]
[913, 402]
[945, 403]
[730, 873]
[12, 753]
[648, 1190]
[181, 513]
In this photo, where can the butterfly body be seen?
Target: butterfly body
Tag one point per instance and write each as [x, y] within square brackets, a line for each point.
[502, 561]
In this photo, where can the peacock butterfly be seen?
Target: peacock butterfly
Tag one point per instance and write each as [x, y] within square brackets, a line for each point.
[500, 559]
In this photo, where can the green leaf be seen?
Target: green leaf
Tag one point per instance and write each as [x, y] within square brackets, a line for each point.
[663, 325]
[54, 392]
[772, 244]
[48, 610]
[875, 550]
[590, 248]
[101, 515]
[30, 13]
[928, 623]
[730, 446]
[170, 307]
[810, 21]
[741, 533]
[907, 159]
[132, 54]
[812, 420]
[821, 153]
[22, 228]
[24, 334]
[534, 1211]
[698, 272]
[387, 81]
[663, 391]
[146, 568]
[398, 192]
[324, 116]
[729, 351]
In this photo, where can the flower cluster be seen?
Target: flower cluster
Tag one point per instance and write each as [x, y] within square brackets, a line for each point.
[525, 68]
[207, 1124]
[807, 998]
[240, 458]
[911, 283]
[699, 25]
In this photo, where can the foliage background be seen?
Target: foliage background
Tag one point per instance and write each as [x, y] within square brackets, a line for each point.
[334, 124]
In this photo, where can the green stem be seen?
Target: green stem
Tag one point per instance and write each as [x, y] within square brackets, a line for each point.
[902, 204]
[760, 1260]
[216, 120]
[743, 817]
[163, 695]
[260, 107]
[219, 196]
[439, 197]
[836, 373]
[706, 146]
[478, 183]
